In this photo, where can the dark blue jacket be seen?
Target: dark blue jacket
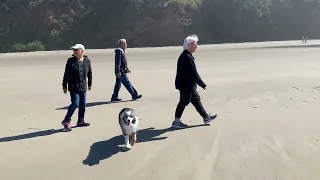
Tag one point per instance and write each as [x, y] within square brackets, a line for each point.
[187, 76]
[120, 61]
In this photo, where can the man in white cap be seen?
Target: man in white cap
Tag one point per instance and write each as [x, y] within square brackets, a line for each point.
[77, 70]
[187, 79]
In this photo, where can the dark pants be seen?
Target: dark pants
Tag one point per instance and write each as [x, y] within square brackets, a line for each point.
[77, 99]
[187, 96]
[126, 82]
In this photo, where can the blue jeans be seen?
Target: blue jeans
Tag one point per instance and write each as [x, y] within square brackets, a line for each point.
[126, 82]
[77, 99]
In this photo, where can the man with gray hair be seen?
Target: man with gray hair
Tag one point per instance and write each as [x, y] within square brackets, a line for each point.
[187, 79]
[121, 70]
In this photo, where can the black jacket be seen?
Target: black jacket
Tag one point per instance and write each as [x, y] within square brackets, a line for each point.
[187, 76]
[72, 76]
[120, 61]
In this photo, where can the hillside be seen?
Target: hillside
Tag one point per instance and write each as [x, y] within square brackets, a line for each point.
[27, 25]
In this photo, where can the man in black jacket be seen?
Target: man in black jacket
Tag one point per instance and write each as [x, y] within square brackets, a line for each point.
[186, 81]
[121, 70]
[77, 70]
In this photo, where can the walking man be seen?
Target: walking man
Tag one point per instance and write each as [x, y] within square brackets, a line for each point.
[121, 70]
[77, 70]
[187, 79]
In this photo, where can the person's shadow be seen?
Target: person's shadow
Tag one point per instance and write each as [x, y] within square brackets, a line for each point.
[92, 104]
[34, 134]
[105, 149]
[31, 135]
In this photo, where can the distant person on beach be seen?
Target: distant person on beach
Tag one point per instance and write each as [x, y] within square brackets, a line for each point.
[121, 70]
[304, 40]
[77, 70]
[186, 81]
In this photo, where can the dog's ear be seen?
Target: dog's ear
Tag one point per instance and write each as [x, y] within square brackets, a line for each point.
[122, 116]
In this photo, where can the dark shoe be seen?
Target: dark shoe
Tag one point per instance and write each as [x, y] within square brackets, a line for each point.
[66, 125]
[82, 124]
[209, 118]
[115, 99]
[178, 125]
[136, 97]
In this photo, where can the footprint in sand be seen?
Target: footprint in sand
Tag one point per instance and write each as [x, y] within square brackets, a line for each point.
[316, 88]
[313, 90]
[296, 88]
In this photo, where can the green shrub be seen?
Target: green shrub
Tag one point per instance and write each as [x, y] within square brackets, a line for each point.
[19, 47]
[31, 46]
[35, 46]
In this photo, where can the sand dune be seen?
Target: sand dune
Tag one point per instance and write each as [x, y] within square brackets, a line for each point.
[267, 100]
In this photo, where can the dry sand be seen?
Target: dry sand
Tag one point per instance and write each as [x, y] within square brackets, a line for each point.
[268, 126]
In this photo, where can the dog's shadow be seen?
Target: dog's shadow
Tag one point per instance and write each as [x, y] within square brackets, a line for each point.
[105, 149]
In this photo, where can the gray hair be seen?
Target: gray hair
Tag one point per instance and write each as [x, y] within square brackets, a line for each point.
[121, 41]
[190, 39]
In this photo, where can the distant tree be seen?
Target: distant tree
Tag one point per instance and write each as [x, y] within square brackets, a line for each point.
[57, 24]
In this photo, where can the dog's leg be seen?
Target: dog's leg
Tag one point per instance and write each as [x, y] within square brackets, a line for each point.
[126, 141]
[133, 138]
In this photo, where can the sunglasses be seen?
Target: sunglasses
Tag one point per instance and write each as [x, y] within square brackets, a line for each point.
[75, 49]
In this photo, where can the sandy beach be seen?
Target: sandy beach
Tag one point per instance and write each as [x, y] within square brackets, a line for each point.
[267, 100]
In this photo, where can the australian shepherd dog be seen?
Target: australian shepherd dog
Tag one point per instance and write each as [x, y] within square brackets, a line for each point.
[129, 122]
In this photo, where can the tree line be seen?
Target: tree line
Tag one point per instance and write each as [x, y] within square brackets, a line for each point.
[29, 25]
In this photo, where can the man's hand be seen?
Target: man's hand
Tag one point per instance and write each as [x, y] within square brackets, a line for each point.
[65, 90]
[118, 74]
[204, 87]
[129, 70]
[89, 88]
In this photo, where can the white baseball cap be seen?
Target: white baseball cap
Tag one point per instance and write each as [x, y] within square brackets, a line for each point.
[78, 46]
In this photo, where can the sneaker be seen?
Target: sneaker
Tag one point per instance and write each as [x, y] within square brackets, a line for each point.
[138, 96]
[178, 125]
[82, 124]
[66, 125]
[115, 99]
[209, 118]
